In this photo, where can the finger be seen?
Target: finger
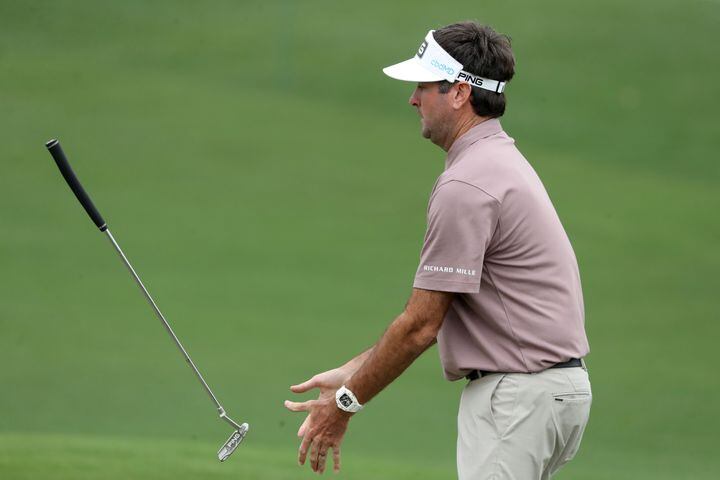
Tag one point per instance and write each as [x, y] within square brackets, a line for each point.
[299, 406]
[303, 450]
[322, 458]
[305, 386]
[317, 456]
[314, 456]
[303, 427]
[336, 458]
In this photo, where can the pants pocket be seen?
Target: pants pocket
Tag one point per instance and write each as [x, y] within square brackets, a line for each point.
[572, 397]
[502, 403]
[571, 411]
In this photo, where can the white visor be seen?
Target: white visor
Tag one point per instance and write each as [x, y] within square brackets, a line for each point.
[433, 64]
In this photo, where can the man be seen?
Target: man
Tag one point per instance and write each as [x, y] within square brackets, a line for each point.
[497, 287]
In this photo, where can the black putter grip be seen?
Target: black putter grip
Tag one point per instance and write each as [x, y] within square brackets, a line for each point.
[61, 160]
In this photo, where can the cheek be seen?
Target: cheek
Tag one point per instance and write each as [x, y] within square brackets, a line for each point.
[443, 105]
[429, 103]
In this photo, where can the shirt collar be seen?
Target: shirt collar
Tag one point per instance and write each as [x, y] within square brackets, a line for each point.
[482, 130]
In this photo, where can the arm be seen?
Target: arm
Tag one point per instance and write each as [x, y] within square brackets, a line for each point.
[409, 335]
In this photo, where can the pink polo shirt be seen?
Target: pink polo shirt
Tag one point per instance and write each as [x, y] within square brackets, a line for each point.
[494, 238]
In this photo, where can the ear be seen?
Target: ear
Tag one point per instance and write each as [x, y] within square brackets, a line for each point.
[460, 95]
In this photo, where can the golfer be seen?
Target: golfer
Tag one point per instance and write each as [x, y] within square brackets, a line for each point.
[497, 286]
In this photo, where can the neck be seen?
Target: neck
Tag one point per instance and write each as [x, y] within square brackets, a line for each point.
[461, 129]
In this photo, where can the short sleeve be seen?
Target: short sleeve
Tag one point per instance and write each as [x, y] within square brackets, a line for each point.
[461, 222]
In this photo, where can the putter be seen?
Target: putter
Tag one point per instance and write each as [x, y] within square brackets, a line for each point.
[61, 160]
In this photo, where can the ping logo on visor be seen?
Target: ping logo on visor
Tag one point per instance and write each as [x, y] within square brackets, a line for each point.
[472, 80]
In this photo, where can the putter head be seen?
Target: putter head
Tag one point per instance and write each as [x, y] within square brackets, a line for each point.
[232, 443]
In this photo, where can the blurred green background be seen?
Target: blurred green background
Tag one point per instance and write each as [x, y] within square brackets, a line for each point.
[270, 185]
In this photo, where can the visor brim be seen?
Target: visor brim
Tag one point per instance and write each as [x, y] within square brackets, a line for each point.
[411, 71]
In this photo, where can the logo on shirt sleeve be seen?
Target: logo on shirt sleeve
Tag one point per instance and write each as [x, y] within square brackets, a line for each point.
[443, 269]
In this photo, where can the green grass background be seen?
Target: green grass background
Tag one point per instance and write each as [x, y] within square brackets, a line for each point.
[269, 184]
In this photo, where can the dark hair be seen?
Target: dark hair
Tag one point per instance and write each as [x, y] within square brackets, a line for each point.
[484, 52]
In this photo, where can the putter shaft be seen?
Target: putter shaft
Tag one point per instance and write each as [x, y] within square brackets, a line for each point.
[161, 317]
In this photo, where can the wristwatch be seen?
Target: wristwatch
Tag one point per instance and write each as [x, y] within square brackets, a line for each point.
[346, 400]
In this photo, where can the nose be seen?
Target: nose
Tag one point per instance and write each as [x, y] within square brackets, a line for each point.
[414, 100]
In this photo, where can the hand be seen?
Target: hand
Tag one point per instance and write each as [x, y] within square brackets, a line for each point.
[328, 383]
[324, 429]
[325, 424]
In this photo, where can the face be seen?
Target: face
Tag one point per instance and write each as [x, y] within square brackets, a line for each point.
[435, 111]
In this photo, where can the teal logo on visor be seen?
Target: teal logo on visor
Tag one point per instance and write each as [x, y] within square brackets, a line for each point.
[443, 67]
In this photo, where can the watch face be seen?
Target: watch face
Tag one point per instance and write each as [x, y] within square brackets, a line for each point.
[345, 400]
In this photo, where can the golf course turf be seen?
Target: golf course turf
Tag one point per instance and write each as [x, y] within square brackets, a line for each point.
[269, 185]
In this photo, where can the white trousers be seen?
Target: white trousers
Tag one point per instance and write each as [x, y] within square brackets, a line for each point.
[519, 426]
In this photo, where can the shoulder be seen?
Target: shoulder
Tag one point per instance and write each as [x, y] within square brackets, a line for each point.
[457, 193]
[452, 188]
[495, 168]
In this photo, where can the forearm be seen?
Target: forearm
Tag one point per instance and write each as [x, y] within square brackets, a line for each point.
[354, 364]
[401, 344]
